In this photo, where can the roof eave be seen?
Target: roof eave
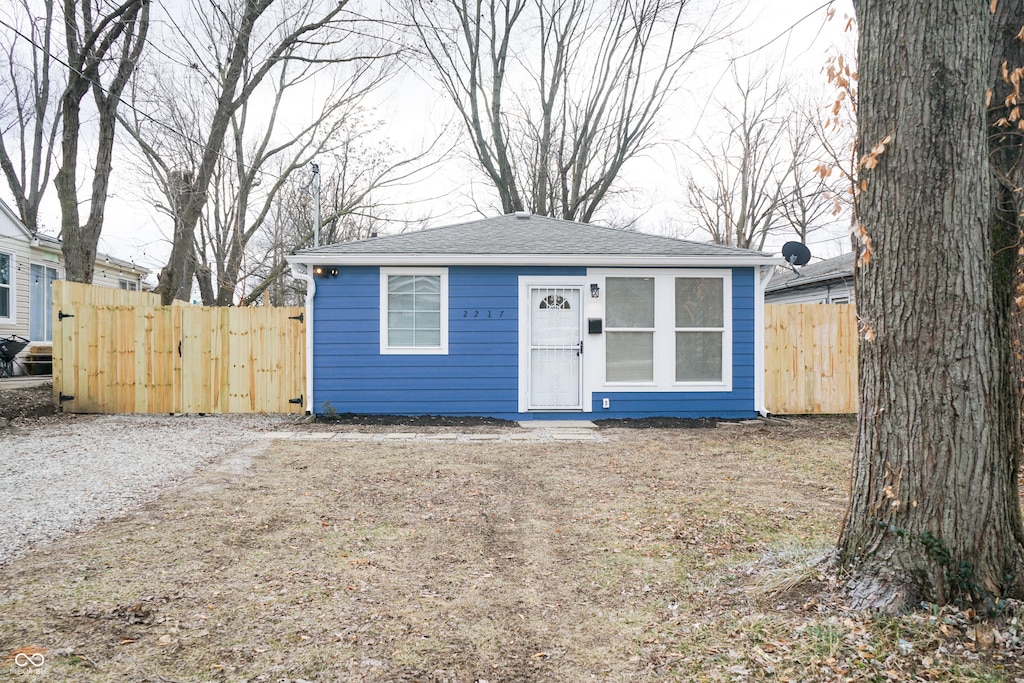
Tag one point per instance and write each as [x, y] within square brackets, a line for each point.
[590, 260]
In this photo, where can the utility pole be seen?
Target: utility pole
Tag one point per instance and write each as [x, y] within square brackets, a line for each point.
[316, 203]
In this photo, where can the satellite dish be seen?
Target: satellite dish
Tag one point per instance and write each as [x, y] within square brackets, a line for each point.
[796, 254]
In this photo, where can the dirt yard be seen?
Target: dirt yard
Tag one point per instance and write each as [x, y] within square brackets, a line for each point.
[656, 554]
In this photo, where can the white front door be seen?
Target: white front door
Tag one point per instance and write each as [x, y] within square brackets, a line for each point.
[556, 344]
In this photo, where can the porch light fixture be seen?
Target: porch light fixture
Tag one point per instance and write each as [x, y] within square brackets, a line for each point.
[595, 291]
[325, 271]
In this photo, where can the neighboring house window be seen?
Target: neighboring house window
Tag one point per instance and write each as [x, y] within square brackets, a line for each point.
[130, 285]
[6, 288]
[700, 328]
[841, 300]
[414, 310]
[40, 305]
[668, 330]
[629, 349]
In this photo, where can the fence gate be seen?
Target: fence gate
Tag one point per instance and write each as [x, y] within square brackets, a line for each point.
[121, 352]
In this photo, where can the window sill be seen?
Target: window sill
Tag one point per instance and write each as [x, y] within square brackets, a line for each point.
[413, 351]
[675, 387]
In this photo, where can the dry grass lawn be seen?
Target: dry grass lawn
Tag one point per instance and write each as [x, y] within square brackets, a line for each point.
[649, 556]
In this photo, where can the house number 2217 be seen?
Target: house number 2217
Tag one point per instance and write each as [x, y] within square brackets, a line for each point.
[477, 314]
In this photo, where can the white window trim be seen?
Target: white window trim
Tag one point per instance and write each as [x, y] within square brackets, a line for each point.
[45, 265]
[385, 349]
[665, 325]
[12, 319]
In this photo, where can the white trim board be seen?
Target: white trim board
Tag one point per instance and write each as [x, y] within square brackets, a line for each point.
[589, 260]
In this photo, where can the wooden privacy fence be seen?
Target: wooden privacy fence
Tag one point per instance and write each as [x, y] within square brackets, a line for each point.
[810, 358]
[122, 352]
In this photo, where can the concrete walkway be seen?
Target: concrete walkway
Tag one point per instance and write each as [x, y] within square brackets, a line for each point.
[534, 435]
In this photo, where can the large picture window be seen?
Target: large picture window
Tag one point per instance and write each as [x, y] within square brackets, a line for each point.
[668, 329]
[6, 288]
[414, 311]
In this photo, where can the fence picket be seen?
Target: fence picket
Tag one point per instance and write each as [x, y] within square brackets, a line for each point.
[810, 358]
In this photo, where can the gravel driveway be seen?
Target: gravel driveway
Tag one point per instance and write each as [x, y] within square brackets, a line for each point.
[58, 476]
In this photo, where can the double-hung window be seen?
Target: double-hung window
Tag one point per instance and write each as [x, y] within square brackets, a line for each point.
[668, 330]
[700, 328]
[629, 345]
[6, 288]
[414, 310]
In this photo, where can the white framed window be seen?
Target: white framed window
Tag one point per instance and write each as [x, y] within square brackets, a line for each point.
[129, 285]
[7, 312]
[630, 329]
[414, 310]
[665, 329]
[699, 329]
[40, 302]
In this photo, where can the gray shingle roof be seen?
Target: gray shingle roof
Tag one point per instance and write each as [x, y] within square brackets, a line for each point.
[838, 268]
[514, 234]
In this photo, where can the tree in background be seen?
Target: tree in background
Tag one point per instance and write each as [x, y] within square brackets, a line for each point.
[556, 97]
[735, 192]
[349, 212]
[934, 511]
[242, 44]
[769, 171]
[102, 43]
[258, 153]
[30, 105]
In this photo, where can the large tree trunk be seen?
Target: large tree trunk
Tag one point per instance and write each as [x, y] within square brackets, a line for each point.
[931, 516]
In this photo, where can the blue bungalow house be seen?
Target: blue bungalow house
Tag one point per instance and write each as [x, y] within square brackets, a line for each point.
[526, 317]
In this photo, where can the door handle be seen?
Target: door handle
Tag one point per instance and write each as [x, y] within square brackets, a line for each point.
[579, 351]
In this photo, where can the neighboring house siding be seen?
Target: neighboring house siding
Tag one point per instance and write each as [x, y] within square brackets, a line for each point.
[478, 375]
[108, 275]
[826, 293]
[22, 253]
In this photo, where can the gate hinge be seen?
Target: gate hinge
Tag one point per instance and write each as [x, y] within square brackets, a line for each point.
[296, 401]
[64, 397]
[301, 317]
[61, 315]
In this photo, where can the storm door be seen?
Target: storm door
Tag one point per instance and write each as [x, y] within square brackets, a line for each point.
[556, 347]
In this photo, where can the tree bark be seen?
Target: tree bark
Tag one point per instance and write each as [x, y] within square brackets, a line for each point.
[931, 513]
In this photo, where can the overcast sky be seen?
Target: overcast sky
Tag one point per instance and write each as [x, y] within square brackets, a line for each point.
[792, 34]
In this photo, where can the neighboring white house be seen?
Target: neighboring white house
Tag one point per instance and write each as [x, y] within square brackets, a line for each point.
[825, 282]
[29, 263]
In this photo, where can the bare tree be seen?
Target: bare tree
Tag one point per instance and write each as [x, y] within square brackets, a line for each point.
[810, 198]
[29, 106]
[258, 155]
[104, 43]
[736, 191]
[349, 212]
[238, 47]
[557, 96]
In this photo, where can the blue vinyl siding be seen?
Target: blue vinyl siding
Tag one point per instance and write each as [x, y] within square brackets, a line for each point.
[478, 376]
[480, 373]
